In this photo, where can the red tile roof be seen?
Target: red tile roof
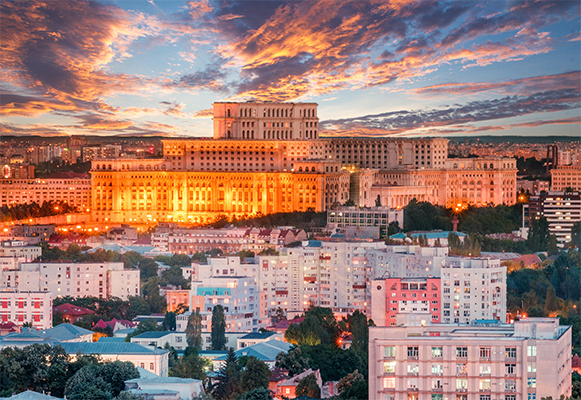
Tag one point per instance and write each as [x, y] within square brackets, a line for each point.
[72, 310]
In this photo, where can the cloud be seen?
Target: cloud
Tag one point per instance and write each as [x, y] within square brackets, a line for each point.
[207, 113]
[567, 80]
[173, 108]
[404, 121]
[28, 106]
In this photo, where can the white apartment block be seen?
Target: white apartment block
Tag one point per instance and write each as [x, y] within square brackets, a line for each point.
[75, 191]
[22, 307]
[240, 297]
[19, 249]
[528, 360]
[106, 279]
[407, 261]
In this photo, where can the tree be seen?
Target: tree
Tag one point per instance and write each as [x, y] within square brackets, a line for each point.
[576, 235]
[148, 268]
[97, 382]
[245, 254]
[190, 366]
[538, 239]
[293, 361]
[124, 395]
[218, 333]
[257, 394]
[269, 251]
[349, 203]
[194, 330]
[349, 380]
[552, 248]
[358, 325]
[174, 276]
[378, 201]
[256, 374]
[308, 386]
[169, 321]
[228, 379]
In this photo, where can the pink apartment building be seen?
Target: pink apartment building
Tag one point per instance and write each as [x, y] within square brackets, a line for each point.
[405, 296]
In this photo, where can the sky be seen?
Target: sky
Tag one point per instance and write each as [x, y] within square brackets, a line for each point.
[376, 68]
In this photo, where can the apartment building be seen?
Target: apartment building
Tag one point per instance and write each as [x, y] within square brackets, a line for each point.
[240, 297]
[381, 217]
[561, 209]
[26, 307]
[107, 279]
[393, 297]
[407, 261]
[566, 177]
[19, 249]
[69, 187]
[473, 288]
[528, 360]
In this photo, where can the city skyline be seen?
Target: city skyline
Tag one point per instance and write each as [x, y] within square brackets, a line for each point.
[375, 69]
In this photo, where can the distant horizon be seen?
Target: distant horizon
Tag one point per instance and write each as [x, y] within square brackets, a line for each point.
[377, 69]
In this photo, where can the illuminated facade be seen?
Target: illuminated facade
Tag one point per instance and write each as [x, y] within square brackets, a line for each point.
[268, 157]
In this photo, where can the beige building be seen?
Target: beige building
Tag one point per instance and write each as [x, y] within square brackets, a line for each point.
[69, 187]
[565, 177]
[528, 360]
[268, 157]
[76, 279]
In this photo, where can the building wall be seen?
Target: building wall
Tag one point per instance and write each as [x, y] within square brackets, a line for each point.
[560, 209]
[76, 192]
[565, 177]
[22, 307]
[27, 252]
[466, 362]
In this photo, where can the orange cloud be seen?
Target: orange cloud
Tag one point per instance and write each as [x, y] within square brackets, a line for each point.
[109, 125]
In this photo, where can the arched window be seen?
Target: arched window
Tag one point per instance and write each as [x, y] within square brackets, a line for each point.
[109, 167]
[491, 166]
[269, 112]
[228, 113]
[313, 169]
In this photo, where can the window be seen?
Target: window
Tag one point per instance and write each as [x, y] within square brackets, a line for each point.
[510, 397]
[485, 369]
[462, 352]
[413, 368]
[151, 366]
[389, 366]
[484, 397]
[437, 384]
[437, 369]
[437, 352]
[532, 367]
[484, 384]
[510, 384]
[461, 384]
[531, 396]
[413, 383]
[389, 351]
[485, 352]
[510, 352]
[389, 383]
[532, 382]
[413, 351]
[510, 369]
[437, 397]
[532, 351]
[461, 369]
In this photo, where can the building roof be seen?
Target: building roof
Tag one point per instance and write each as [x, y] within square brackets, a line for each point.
[528, 259]
[72, 310]
[265, 351]
[258, 335]
[64, 332]
[429, 235]
[114, 339]
[109, 348]
[144, 374]
[30, 395]
[165, 380]
[153, 334]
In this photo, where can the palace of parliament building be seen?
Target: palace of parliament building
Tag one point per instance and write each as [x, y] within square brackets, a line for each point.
[268, 158]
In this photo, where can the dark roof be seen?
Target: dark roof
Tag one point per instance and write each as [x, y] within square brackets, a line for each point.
[109, 348]
[153, 334]
[258, 335]
[70, 309]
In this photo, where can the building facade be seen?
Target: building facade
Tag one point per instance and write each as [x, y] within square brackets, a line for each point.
[561, 210]
[528, 360]
[26, 307]
[74, 189]
[381, 217]
[268, 157]
[107, 279]
[566, 177]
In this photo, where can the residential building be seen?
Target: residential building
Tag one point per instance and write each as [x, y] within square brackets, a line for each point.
[407, 261]
[153, 360]
[566, 178]
[287, 387]
[106, 279]
[19, 249]
[434, 237]
[342, 217]
[393, 296]
[72, 313]
[26, 307]
[528, 360]
[165, 388]
[560, 209]
[473, 288]
[264, 351]
[69, 187]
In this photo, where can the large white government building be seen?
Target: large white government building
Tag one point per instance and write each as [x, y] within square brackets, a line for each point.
[269, 157]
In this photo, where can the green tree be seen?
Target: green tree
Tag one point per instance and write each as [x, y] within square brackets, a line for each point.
[575, 235]
[257, 394]
[147, 268]
[150, 290]
[131, 259]
[86, 384]
[293, 361]
[256, 374]
[218, 334]
[269, 251]
[245, 254]
[551, 299]
[349, 386]
[191, 365]
[228, 386]
[424, 216]
[169, 321]
[358, 325]
[194, 330]
[180, 260]
[552, 248]
[125, 395]
[538, 239]
[174, 276]
[308, 386]
[349, 203]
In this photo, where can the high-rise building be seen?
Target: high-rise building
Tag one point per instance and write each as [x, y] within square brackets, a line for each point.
[268, 157]
[528, 360]
[566, 178]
